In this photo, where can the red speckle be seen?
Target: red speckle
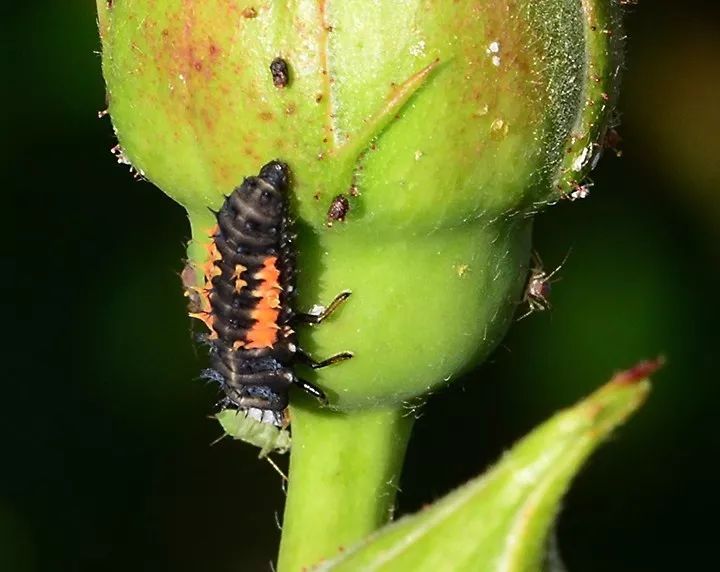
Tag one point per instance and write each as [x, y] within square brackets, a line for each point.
[639, 371]
[208, 121]
[165, 33]
[213, 49]
[266, 116]
[249, 13]
[250, 152]
[198, 66]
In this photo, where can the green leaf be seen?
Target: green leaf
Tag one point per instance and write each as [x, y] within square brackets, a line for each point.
[501, 520]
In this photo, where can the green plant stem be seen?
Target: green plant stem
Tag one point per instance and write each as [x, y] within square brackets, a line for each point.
[344, 473]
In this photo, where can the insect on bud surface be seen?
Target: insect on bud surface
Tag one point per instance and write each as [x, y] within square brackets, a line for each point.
[450, 125]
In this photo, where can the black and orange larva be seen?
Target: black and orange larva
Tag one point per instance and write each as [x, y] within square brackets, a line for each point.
[246, 300]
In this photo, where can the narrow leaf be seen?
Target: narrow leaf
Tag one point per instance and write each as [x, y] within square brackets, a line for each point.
[501, 520]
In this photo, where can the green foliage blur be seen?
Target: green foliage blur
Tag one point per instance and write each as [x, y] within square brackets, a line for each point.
[108, 463]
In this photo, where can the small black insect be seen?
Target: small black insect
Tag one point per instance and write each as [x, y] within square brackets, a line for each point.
[338, 210]
[537, 291]
[246, 299]
[280, 73]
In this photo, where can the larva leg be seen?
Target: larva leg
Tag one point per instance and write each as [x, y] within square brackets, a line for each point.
[311, 389]
[313, 318]
[305, 358]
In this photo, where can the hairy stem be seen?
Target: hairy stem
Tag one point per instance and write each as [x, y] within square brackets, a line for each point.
[344, 470]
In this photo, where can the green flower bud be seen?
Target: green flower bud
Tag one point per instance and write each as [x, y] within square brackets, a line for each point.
[444, 126]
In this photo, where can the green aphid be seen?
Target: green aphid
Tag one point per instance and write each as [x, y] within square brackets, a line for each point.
[256, 430]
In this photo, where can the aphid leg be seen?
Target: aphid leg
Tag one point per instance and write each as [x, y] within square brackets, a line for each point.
[537, 263]
[558, 268]
[311, 389]
[278, 469]
[535, 305]
[526, 314]
[313, 318]
[216, 441]
[305, 358]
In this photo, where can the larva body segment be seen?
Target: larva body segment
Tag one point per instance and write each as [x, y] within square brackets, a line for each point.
[248, 289]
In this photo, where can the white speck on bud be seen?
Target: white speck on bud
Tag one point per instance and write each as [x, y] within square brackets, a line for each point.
[494, 50]
[418, 50]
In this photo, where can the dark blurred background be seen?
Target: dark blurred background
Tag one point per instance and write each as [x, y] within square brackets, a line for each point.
[107, 457]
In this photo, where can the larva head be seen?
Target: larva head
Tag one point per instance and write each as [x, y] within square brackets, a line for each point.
[261, 201]
[277, 174]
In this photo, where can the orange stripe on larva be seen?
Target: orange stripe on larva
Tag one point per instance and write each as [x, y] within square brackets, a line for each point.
[208, 319]
[237, 274]
[210, 270]
[264, 332]
[269, 274]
